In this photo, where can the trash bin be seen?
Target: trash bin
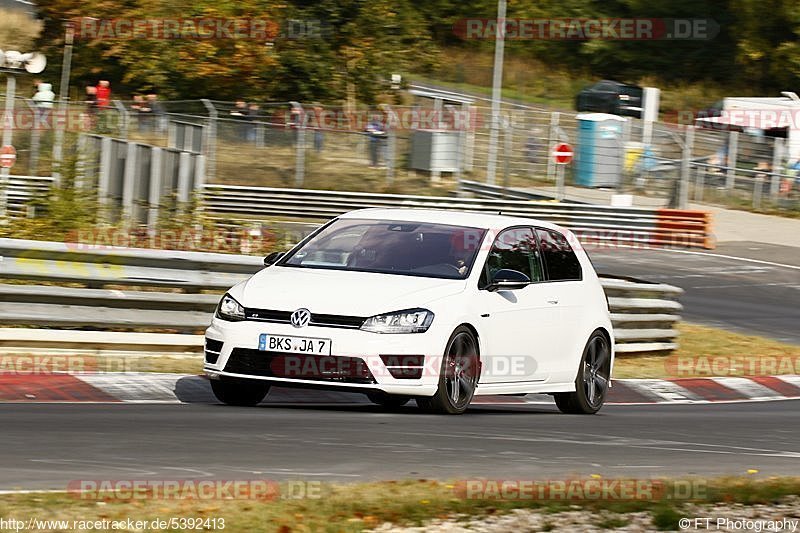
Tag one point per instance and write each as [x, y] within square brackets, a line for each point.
[600, 155]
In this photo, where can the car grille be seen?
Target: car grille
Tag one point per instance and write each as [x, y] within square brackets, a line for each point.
[404, 366]
[329, 368]
[213, 349]
[284, 317]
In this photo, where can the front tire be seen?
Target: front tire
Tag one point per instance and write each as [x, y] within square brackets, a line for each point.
[458, 377]
[239, 392]
[591, 384]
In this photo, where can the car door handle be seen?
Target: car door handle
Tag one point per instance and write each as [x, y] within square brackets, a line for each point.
[553, 301]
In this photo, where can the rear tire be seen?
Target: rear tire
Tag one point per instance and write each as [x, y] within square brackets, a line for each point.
[458, 376]
[591, 384]
[388, 401]
[239, 392]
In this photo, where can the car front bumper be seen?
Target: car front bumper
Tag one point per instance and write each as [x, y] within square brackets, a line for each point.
[352, 351]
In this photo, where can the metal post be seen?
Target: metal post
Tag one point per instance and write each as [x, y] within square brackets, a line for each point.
[699, 183]
[80, 164]
[104, 176]
[733, 147]
[259, 134]
[129, 183]
[211, 140]
[686, 160]
[497, 83]
[508, 132]
[551, 141]
[300, 159]
[124, 118]
[559, 181]
[777, 170]
[460, 149]
[66, 64]
[758, 187]
[468, 148]
[11, 86]
[154, 194]
[36, 135]
[63, 97]
[184, 175]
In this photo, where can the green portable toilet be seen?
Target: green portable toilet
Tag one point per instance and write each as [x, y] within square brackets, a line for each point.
[599, 156]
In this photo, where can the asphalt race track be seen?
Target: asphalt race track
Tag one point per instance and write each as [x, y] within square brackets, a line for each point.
[47, 445]
[758, 296]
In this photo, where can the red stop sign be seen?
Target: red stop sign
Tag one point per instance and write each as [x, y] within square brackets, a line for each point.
[8, 156]
[562, 153]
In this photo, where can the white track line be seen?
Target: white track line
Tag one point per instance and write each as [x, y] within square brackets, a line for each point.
[690, 252]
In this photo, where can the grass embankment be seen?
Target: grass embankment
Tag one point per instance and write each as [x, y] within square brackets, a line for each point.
[737, 355]
[355, 507]
[528, 80]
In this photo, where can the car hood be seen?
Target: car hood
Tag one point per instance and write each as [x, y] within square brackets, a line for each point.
[339, 292]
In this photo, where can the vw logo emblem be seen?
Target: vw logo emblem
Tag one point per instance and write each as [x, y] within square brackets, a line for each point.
[301, 318]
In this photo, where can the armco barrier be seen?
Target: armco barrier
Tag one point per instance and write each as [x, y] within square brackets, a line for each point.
[22, 190]
[112, 295]
[592, 223]
[595, 224]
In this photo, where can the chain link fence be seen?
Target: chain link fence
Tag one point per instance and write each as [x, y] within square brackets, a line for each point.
[427, 148]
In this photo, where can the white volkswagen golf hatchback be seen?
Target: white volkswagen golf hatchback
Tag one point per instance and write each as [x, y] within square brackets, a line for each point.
[428, 305]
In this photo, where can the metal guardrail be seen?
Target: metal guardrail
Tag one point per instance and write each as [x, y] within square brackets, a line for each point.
[643, 314]
[21, 190]
[484, 190]
[592, 223]
[113, 279]
[596, 224]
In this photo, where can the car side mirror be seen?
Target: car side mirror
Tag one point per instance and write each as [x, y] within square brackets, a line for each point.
[506, 279]
[273, 258]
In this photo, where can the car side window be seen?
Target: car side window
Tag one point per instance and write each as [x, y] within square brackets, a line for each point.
[561, 261]
[514, 249]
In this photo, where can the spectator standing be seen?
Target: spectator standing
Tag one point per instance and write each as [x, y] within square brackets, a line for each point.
[319, 136]
[91, 107]
[103, 94]
[253, 113]
[238, 114]
[157, 111]
[377, 138]
[43, 100]
[139, 108]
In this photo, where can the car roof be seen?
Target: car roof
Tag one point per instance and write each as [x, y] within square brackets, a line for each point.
[455, 218]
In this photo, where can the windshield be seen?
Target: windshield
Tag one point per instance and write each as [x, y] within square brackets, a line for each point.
[406, 248]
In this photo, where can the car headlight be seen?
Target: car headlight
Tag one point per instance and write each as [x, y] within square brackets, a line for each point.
[230, 309]
[409, 321]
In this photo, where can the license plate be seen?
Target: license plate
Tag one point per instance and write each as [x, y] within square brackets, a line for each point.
[281, 343]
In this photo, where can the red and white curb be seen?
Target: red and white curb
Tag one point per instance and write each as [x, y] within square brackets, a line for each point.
[180, 388]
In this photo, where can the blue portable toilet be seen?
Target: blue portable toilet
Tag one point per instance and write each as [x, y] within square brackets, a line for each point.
[599, 156]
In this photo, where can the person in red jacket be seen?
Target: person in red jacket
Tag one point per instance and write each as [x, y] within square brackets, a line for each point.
[103, 94]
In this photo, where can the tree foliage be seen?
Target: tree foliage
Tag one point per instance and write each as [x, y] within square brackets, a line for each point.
[18, 31]
[360, 43]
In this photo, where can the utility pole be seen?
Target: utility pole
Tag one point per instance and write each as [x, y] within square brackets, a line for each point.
[63, 96]
[8, 119]
[497, 86]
